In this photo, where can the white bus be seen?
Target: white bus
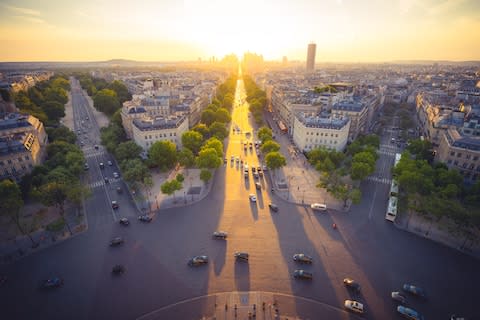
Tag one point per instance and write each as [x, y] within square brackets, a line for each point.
[392, 209]
[394, 188]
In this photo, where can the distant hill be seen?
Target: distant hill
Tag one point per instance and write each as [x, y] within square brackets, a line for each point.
[440, 62]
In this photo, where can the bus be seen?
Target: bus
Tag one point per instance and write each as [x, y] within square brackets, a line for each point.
[282, 127]
[394, 189]
[392, 209]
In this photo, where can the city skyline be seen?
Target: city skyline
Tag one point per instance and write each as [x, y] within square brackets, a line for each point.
[344, 31]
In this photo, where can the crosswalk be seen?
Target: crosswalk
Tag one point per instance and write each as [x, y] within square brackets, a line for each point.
[92, 154]
[380, 180]
[101, 183]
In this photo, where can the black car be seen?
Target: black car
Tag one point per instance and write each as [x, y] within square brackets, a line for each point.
[198, 260]
[116, 241]
[241, 256]
[124, 221]
[145, 218]
[351, 284]
[417, 291]
[302, 258]
[54, 282]
[302, 274]
[119, 190]
[115, 204]
[118, 269]
[273, 207]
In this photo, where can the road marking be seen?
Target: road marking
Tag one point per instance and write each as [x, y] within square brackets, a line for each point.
[373, 202]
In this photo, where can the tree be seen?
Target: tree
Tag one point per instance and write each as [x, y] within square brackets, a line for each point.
[121, 91]
[61, 133]
[264, 134]
[180, 177]
[205, 175]
[422, 149]
[192, 140]
[54, 193]
[36, 96]
[208, 158]
[222, 115]
[361, 170]
[275, 160]
[169, 187]
[134, 171]
[218, 130]
[56, 94]
[163, 154]
[186, 158]
[215, 144]
[74, 161]
[270, 146]
[111, 136]
[228, 101]
[128, 150]
[11, 202]
[202, 129]
[60, 82]
[326, 165]
[106, 101]
[208, 117]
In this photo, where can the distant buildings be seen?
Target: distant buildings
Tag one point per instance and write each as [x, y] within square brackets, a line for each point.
[22, 145]
[18, 81]
[312, 48]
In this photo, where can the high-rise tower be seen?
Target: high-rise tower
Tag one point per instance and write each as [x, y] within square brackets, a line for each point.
[312, 48]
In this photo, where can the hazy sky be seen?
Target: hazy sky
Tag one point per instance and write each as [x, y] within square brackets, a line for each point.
[160, 30]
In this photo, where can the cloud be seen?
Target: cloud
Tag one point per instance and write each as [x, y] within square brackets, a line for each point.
[25, 11]
[31, 19]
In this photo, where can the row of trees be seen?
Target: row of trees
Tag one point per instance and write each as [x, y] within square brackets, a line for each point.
[340, 171]
[431, 188]
[45, 100]
[107, 97]
[257, 99]
[273, 158]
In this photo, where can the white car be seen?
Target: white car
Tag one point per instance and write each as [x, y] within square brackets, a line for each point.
[115, 175]
[318, 206]
[253, 197]
[354, 306]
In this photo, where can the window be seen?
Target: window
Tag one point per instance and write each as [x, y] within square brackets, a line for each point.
[467, 156]
[317, 133]
[336, 135]
[475, 158]
[146, 137]
[449, 161]
[150, 136]
[459, 155]
[452, 153]
[455, 162]
[9, 161]
[20, 159]
[464, 165]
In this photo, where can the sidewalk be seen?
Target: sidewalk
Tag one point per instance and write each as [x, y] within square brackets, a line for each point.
[439, 232]
[193, 191]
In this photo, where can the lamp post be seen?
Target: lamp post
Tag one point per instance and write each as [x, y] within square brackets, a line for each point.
[156, 201]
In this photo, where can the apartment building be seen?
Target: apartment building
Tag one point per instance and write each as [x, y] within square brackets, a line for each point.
[23, 144]
[357, 112]
[147, 131]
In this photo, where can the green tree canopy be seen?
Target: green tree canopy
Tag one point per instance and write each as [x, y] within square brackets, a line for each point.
[54, 110]
[222, 115]
[127, 151]
[218, 130]
[208, 158]
[202, 129]
[265, 134]
[275, 160]
[215, 144]
[163, 154]
[192, 140]
[186, 158]
[121, 91]
[205, 175]
[61, 133]
[208, 117]
[106, 101]
[270, 146]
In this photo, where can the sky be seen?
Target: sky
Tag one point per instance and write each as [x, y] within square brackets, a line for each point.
[169, 30]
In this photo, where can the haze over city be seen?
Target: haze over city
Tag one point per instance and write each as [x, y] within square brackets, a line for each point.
[345, 31]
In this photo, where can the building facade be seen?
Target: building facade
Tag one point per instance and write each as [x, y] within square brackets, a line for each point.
[357, 112]
[312, 131]
[23, 144]
[147, 131]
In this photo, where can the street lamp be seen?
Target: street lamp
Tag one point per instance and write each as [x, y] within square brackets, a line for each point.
[156, 201]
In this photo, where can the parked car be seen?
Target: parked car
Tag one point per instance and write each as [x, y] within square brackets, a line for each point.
[318, 206]
[124, 221]
[253, 198]
[417, 291]
[106, 180]
[302, 274]
[241, 256]
[118, 269]
[303, 258]
[254, 169]
[258, 186]
[198, 260]
[409, 313]
[351, 284]
[145, 218]
[354, 306]
[116, 241]
[220, 235]
[96, 147]
[85, 166]
[102, 165]
[115, 204]
[273, 207]
[53, 282]
[116, 175]
[398, 297]
[109, 163]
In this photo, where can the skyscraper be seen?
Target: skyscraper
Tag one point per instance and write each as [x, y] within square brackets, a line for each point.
[312, 47]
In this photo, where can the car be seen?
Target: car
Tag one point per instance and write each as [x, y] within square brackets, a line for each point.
[102, 165]
[351, 284]
[398, 297]
[82, 144]
[255, 175]
[409, 313]
[302, 258]
[124, 221]
[354, 306]
[145, 218]
[220, 235]
[118, 269]
[225, 160]
[258, 186]
[106, 180]
[417, 291]
[53, 282]
[318, 206]
[86, 166]
[265, 168]
[116, 175]
[302, 274]
[116, 241]
[253, 197]
[198, 260]
[232, 158]
[115, 204]
[241, 256]
[119, 190]
[254, 169]
[237, 159]
[96, 147]
[273, 207]
[109, 163]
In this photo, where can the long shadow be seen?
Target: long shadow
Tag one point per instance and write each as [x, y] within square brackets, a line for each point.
[242, 275]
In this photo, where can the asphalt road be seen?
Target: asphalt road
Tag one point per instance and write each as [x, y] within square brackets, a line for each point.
[364, 247]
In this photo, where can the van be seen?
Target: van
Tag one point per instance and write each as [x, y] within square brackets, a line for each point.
[318, 206]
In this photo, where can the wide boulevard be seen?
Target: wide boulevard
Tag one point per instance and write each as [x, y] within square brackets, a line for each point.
[365, 247]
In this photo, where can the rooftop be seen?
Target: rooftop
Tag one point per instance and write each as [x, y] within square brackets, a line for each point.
[312, 120]
[159, 123]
